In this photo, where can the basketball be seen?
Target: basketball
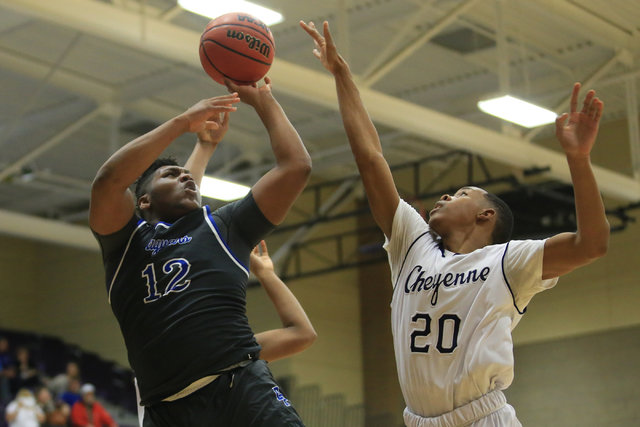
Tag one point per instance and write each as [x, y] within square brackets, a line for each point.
[238, 47]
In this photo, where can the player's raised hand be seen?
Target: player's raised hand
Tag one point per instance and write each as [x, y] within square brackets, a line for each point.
[260, 262]
[253, 94]
[578, 134]
[204, 114]
[325, 49]
[214, 136]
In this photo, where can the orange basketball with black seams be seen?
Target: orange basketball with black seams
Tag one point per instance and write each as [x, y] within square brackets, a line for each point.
[238, 47]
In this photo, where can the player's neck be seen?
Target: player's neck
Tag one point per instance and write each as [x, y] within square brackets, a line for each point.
[461, 243]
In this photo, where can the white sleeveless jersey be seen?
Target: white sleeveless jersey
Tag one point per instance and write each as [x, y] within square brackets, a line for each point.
[452, 314]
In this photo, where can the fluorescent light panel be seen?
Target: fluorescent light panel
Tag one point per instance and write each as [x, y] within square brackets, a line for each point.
[222, 190]
[517, 111]
[215, 8]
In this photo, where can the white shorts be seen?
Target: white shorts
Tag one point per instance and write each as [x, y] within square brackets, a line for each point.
[490, 410]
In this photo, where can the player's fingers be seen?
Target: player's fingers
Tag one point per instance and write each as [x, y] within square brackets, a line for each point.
[308, 28]
[588, 99]
[225, 97]
[209, 125]
[561, 119]
[225, 119]
[598, 107]
[267, 80]
[231, 87]
[327, 33]
[313, 31]
[574, 97]
[263, 247]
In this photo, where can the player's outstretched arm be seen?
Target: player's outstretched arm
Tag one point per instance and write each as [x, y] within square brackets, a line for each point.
[112, 203]
[297, 332]
[277, 190]
[208, 140]
[363, 137]
[576, 131]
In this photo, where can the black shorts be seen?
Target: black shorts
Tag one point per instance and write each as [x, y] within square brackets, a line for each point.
[242, 397]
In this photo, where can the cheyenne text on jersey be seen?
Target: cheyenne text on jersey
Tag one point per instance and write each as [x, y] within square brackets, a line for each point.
[155, 245]
[421, 283]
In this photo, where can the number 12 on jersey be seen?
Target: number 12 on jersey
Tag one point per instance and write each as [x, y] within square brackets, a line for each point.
[178, 266]
[448, 325]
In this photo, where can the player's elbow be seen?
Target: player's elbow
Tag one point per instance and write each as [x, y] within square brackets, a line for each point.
[598, 244]
[106, 177]
[598, 250]
[305, 337]
[370, 161]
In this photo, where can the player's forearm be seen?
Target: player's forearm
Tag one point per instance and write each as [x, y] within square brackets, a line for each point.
[199, 159]
[130, 161]
[291, 313]
[361, 132]
[286, 144]
[592, 236]
[365, 144]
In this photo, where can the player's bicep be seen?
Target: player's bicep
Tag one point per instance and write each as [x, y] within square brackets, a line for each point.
[381, 191]
[562, 255]
[110, 210]
[278, 189]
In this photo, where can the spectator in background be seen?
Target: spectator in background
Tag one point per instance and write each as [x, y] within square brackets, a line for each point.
[60, 383]
[24, 411]
[87, 412]
[7, 370]
[72, 394]
[56, 412]
[27, 374]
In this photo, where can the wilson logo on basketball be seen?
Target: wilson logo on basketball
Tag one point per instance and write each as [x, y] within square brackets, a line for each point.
[252, 42]
[254, 21]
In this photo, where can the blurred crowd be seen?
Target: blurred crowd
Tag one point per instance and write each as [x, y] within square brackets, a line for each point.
[32, 399]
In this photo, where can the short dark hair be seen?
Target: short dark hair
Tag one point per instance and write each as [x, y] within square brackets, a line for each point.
[143, 180]
[504, 219]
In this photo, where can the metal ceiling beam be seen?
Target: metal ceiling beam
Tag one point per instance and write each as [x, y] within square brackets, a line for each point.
[46, 230]
[50, 143]
[179, 44]
[590, 25]
[587, 83]
[408, 50]
[102, 93]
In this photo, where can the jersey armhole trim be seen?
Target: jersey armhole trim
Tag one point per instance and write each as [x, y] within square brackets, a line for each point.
[405, 257]
[506, 281]
[140, 223]
[214, 228]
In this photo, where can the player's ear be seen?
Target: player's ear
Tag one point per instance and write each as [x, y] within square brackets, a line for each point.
[486, 214]
[144, 202]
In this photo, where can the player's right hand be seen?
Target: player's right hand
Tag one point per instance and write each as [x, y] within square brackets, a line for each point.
[325, 49]
[202, 116]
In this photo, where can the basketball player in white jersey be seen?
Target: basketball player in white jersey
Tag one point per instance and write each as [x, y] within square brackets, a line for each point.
[460, 285]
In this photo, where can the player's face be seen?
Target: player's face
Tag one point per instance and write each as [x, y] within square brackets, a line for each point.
[458, 210]
[173, 193]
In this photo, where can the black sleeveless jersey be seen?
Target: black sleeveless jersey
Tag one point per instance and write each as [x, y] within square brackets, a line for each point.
[178, 292]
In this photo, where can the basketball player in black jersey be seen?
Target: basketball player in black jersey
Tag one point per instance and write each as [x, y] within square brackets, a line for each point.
[176, 272]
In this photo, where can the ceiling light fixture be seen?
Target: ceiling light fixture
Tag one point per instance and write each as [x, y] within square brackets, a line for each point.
[517, 111]
[213, 9]
[222, 190]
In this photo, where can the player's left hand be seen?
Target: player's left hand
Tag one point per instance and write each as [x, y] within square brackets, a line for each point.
[214, 136]
[253, 94]
[260, 262]
[578, 134]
